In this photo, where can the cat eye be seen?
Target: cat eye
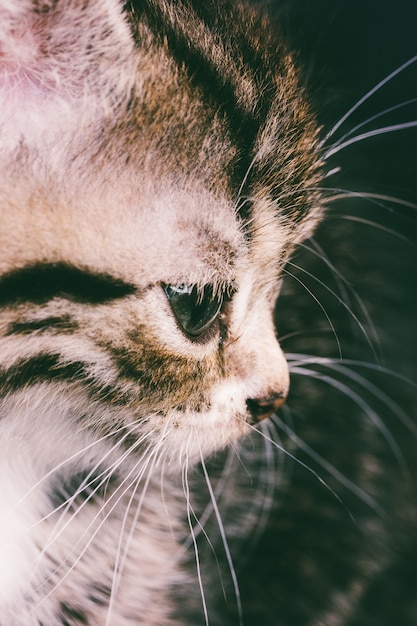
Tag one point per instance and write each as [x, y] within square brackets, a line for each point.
[195, 310]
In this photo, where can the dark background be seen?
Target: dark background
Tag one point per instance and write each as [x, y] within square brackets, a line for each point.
[326, 557]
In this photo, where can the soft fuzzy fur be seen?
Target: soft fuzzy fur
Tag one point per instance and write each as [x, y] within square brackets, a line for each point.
[143, 146]
[124, 170]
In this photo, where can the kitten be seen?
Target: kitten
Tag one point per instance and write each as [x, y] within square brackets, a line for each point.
[160, 162]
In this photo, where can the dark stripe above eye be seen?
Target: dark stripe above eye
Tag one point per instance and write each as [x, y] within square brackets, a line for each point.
[41, 282]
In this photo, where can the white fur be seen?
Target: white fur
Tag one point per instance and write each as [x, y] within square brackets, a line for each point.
[78, 186]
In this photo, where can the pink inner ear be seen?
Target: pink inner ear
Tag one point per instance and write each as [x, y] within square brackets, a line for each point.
[22, 68]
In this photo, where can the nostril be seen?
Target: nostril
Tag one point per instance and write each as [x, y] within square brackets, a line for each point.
[261, 408]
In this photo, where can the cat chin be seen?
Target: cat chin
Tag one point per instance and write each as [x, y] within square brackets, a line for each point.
[205, 437]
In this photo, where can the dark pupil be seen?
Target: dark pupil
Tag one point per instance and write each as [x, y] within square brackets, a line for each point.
[195, 310]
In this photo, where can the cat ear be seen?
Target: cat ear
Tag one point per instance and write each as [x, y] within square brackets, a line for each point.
[64, 49]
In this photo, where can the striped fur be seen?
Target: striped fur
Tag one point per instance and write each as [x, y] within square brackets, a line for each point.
[156, 143]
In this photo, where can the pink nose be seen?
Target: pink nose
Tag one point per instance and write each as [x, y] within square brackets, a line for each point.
[261, 408]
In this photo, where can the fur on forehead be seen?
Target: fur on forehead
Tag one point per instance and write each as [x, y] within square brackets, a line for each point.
[168, 232]
[192, 236]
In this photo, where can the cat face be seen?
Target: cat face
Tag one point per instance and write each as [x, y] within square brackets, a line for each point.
[145, 225]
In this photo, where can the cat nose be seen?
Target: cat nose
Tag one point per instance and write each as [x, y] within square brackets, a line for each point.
[261, 408]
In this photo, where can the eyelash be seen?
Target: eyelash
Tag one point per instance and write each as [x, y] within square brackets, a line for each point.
[195, 310]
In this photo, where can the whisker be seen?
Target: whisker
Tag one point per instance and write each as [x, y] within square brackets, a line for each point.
[333, 329]
[244, 179]
[347, 194]
[304, 466]
[218, 490]
[368, 135]
[106, 474]
[118, 568]
[119, 563]
[385, 229]
[371, 119]
[368, 95]
[63, 463]
[189, 509]
[148, 458]
[343, 285]
[331, 469]
[224, 539]
[341, 302]
[269, 485]
[340, 365]
[361, 403]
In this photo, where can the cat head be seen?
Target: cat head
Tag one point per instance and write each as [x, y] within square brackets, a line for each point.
[155, 178]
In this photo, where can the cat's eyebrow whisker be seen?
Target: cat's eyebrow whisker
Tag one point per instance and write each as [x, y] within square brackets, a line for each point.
[339, 347]
[368, 95]
[371, 119]
[376, 198]
[379, 200]
[223, 536]
[245, 178]
[343, 284]
[372, 133]
[339, 300]
[376, 225]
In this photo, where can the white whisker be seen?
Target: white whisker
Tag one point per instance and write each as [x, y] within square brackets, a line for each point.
[301, 464]
[119, 566]
[331, 469]
[341, 366]
[340, 301]
[218, 490]
[371, 119]
[361, 403]
[189, 510]
[127, 479]
[368, 135]
[224, 539]
[333, 329]
[373, 224]
[344, 288]
[106, 474]
[368, 95]
[119, 563]
[66, 461]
